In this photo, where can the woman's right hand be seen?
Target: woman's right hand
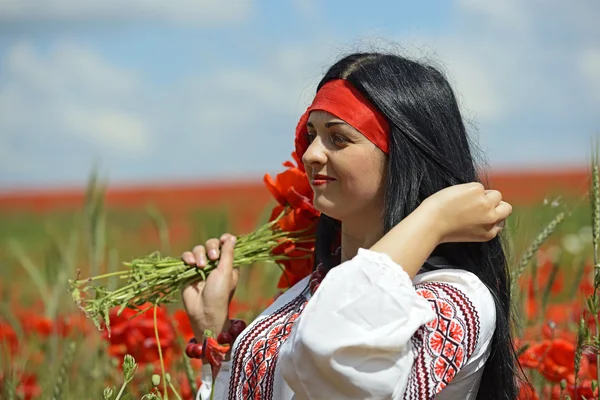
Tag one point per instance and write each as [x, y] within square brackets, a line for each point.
[207, 302]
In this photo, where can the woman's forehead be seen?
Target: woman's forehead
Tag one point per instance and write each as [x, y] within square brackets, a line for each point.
[321, 116]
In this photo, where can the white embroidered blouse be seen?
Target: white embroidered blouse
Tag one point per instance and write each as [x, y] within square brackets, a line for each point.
[368, 332]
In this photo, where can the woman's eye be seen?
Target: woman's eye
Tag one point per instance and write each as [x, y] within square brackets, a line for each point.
[339, 139]
[310, 136]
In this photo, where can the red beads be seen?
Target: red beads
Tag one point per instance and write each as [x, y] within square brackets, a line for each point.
[225, 338]
[193, 349]
[236, 327]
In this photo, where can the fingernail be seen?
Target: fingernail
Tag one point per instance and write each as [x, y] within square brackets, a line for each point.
[212, 253]
[233, 239]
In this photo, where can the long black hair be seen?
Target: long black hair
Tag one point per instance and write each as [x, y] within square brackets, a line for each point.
[429, 150]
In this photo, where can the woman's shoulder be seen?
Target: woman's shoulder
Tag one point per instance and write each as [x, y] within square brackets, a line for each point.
[464, 295]
[463, 280]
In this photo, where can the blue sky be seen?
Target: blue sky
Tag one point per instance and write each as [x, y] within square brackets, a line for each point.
[192, 91]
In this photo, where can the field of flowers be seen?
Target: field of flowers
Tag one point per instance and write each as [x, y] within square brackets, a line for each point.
[49, 350]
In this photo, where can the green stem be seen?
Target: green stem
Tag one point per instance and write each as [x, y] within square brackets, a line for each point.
[97, 277]
[174, 391]
[121, 391]
[160, 357]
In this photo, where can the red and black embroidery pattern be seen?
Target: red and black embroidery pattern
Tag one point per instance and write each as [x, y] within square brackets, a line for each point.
[253, 366]
[445, 344]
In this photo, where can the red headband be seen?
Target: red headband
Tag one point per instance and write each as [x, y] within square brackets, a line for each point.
[341, 99]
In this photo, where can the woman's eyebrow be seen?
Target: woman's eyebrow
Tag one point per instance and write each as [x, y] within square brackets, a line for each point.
[327, 124]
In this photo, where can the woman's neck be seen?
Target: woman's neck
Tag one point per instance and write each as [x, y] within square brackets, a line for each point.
[358, 236]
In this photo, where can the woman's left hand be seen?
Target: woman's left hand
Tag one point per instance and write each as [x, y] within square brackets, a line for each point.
[467, 213]
[460, 213]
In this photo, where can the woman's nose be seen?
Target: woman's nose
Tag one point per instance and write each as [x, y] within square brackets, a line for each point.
[315, 154]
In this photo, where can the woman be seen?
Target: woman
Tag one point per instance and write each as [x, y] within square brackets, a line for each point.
[410, 297]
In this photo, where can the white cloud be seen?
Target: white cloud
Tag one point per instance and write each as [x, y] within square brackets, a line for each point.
[68, 100]
[305, 6]
[499, 14]
[505, 59]
[119, 131]
[76, 107]
[204, 12]
[68, 68]
[65, 103]
[589, 65]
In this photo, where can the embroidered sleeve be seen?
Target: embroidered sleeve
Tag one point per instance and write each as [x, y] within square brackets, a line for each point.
[443, 345]
[353, 339]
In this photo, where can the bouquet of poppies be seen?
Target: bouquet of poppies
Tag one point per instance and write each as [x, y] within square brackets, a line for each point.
[287, 239]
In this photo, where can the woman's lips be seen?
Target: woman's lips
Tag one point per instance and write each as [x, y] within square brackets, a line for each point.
[318, 180]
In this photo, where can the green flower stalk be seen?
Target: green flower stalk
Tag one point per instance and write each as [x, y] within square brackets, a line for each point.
[129, 370]
[155, 279]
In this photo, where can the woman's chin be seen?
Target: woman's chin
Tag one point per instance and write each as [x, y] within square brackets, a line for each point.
[325, 206]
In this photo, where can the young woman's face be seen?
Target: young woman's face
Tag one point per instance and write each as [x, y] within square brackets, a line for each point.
[345, 169]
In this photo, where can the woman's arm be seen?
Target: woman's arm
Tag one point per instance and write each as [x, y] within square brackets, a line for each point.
[411, 242]
[460, 213]
[353, 339]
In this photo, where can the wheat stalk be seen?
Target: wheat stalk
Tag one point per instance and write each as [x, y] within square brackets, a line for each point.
[61, 379]
[535, 246]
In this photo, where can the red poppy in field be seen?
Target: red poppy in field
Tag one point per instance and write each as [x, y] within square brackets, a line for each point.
[583, 390]
[36, 324]
[74, 324]
[137, 337]
[27, 386]
[527, 392]
[8, 338]
[185, 389]
[182, 324]
[554, 359]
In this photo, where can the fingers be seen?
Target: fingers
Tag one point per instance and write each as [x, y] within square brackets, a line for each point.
[494, 196]
[200, 255]
[503, 210]
[213, 249]
[188, 258]
[226, 260]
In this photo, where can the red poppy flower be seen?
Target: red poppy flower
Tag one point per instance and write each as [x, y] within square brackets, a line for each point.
[35, 324]
[289, 186]
[27, 386]
[137, 337]
[527, 392]
[583, 390]
[76, 324]
[8, 338]
[552, 358]
[182, 323]
[215, 354]
[292, 191]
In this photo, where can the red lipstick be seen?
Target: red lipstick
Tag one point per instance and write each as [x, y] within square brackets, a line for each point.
[319, 179]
